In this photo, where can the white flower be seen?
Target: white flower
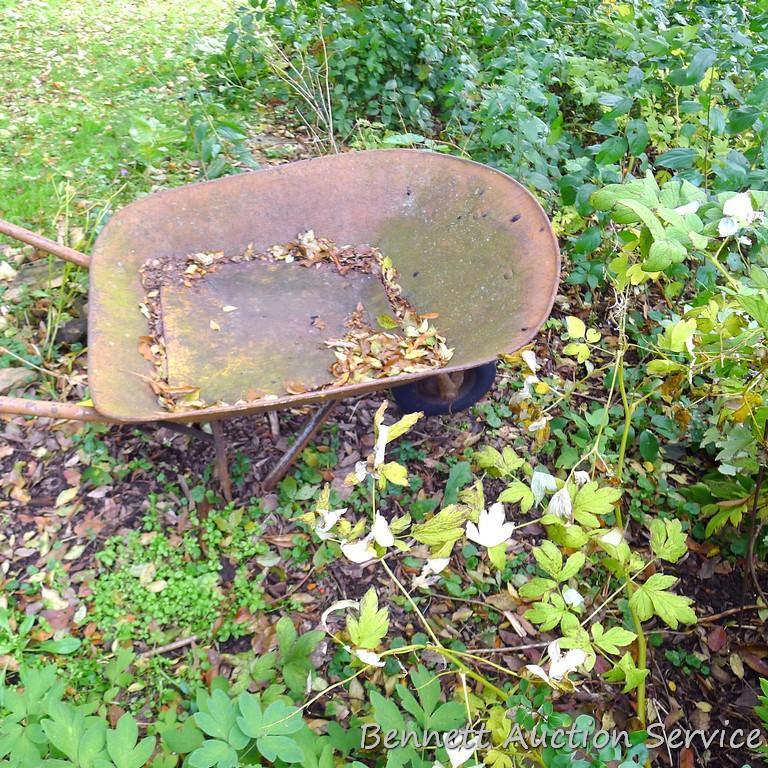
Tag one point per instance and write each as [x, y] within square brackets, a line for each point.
[739, 207]
[368, 657]
[431, 568]
[535, 426]
[359, 551]
[541, 482]
[560, 666]
[560, 505]
[529, 357]
[581, 476]
[727, 227]
[459, 750]
[380, 447]
[361, 471]
[492, 527]
[613, 538]
[525, 392]
[737, 214]
[437, 564]
[381, 532]
[328, 518]
[573, 598]
[339, 605]
[691, 207]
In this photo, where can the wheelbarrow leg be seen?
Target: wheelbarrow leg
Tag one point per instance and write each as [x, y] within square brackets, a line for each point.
[308, 431]
[222, 467]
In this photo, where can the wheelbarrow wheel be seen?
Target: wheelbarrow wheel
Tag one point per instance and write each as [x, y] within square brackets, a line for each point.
[446, 393]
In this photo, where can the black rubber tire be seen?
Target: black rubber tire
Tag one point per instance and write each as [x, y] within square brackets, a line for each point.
[415, 397]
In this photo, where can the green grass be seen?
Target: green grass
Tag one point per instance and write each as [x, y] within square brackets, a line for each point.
[75, 77]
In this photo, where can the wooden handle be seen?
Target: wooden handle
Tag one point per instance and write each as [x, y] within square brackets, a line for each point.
[44, 244]
[19, 406]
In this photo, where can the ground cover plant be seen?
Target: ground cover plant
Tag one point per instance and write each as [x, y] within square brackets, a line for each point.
[584, 551]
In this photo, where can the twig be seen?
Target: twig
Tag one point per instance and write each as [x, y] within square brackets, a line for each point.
[506, 649]
[174, 646]
[732, 612]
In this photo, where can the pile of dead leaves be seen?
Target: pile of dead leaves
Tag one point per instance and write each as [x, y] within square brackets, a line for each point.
[364, 354]
[405, 342]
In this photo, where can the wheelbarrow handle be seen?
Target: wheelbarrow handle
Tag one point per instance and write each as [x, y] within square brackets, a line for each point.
[19, 406]
[44, 244]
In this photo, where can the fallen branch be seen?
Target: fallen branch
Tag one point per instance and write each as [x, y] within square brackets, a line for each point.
[174, 646]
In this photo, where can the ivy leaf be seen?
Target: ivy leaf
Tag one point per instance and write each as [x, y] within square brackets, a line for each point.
[613, 639]
[653, 598]
[371, 626]
[668, 542]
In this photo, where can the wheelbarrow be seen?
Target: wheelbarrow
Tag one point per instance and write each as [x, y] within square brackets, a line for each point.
[470, 243]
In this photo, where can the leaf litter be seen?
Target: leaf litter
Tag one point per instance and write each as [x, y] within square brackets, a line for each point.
[406, 341]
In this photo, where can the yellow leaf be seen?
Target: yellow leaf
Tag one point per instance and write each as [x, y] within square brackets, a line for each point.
[403, 425]
[575, 326]
[67, 495]
[593, 335]
[52, 600]
[395, 473]
[215, 326]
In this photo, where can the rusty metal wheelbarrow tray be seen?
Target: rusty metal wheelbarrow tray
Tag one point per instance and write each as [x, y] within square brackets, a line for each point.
[470, 243]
